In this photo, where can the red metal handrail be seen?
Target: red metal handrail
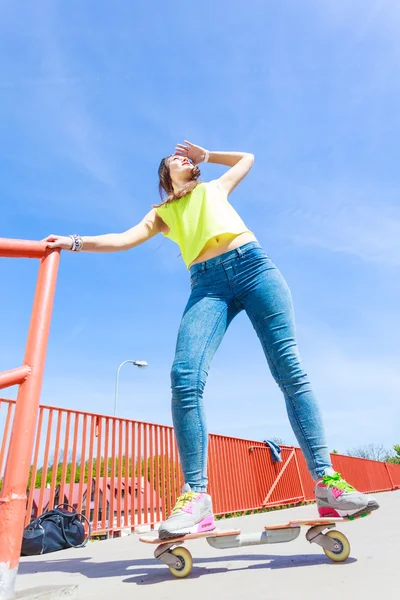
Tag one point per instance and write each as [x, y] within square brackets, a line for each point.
[14, 376]
[29, 378]
[10, 248]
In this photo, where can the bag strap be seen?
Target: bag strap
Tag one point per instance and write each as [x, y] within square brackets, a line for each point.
[75, 515]
[69, 506]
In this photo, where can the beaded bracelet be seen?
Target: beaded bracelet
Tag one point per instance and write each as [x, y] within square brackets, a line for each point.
[77, 243]
[206, 156]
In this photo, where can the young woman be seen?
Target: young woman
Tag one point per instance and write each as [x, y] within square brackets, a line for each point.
[229, 272]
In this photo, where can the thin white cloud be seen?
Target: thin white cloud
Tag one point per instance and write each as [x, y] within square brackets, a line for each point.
[344, 218]
[55, 106]
[66, 103]
[360, 14]
[74, 333]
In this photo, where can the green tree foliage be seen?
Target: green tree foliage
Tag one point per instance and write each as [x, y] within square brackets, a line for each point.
[395, 458]
[164, 469]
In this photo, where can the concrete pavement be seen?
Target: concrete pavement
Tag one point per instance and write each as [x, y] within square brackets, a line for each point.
[125, 568]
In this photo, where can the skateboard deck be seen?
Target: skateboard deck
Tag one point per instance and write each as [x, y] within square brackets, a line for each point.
[149, 539]
[314, 522]
[335, 545]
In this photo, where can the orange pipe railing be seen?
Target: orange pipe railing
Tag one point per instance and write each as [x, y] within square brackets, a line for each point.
[10, 248]
[13, 497]
[14, 376]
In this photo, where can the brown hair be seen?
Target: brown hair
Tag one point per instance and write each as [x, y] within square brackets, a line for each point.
[165, 184]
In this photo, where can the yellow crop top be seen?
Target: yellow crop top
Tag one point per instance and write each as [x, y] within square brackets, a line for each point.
[201, 215]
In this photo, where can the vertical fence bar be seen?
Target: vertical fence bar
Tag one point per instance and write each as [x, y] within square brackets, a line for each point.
[151, 477]
[230, 483]
[104, 497]
[172, 468]
[390, 477]
[45, 461]
[62, 496]
[179, 479]
[158, 505]
[211, 474]
[222, 483]
[139, 474]
[214, 470]
[239, 474]
[89, 515]
[167, 470]
[73, 461]
[13, 493]
[216, 490]
[119, 480]
[5, 436]
[264, 467]
[32, 486]
[112, 477]
[55, 463]
[145, 481]
[244, 475]
[97, 484]
[299, 476]
[83, 471]
[127, 521]
[162, 467]
[133, 477]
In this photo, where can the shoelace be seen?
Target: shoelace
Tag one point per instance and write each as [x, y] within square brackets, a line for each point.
[337, 482]
[182, 500]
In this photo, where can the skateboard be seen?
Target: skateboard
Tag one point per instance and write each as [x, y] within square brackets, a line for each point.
[180, 562]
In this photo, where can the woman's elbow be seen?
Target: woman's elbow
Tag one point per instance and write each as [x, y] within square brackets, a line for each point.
[250, 158]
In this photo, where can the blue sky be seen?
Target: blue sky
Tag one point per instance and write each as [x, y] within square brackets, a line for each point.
[93, 94]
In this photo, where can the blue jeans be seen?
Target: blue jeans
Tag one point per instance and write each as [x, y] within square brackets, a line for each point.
[241, 279]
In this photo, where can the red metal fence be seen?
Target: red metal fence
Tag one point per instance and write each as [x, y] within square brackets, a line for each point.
[123, 473]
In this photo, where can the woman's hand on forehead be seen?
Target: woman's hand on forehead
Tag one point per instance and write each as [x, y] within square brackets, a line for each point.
[191, 151]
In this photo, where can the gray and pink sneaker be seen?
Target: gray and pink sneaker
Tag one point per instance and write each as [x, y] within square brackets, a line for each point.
[192, 514]
[337, 498]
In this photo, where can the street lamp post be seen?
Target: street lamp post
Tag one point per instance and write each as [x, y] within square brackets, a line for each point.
[135, 363]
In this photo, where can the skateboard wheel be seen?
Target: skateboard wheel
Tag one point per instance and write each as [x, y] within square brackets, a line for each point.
[184, 557]
[343, 546]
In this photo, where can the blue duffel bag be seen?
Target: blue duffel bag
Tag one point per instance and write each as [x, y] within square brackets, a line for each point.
[55, 530]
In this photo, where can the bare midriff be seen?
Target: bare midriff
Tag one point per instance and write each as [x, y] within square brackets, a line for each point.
[223, 243]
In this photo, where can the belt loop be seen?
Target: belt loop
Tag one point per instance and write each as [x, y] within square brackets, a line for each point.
[239, 251]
